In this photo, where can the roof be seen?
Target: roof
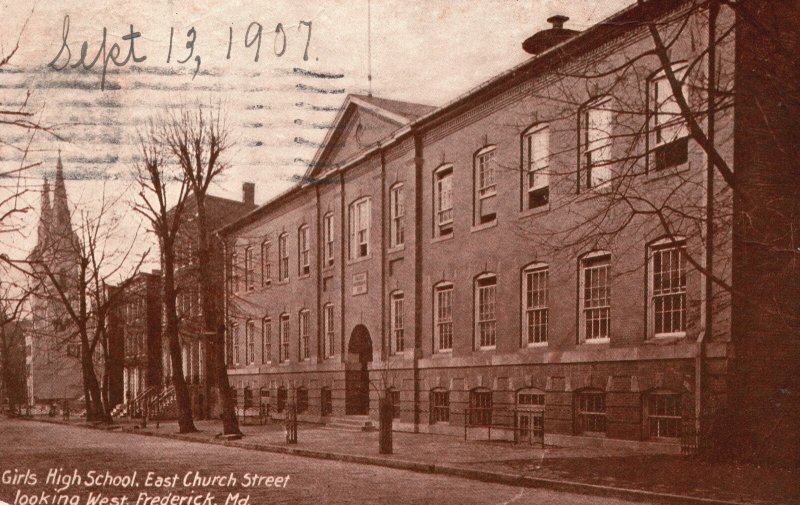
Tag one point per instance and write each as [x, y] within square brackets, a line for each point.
[620, 22]
[408, 110]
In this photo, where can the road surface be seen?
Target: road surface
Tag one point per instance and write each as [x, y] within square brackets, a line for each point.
[90, 465]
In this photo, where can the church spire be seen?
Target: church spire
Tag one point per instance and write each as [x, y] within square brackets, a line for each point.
[45, 214]
[62, 223]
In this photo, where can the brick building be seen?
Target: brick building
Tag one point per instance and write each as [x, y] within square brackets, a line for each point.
[138, 324]
[197, 368]
[554, 252]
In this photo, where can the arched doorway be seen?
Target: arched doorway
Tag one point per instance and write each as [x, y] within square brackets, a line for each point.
[359, 353]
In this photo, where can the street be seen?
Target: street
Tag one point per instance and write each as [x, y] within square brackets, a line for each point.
[92, 467]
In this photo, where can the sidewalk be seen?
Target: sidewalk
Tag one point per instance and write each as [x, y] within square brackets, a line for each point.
[601, 471]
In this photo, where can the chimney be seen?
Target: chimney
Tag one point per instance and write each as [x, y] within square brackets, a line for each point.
[557, 21]
[249, 193]
[541, 41]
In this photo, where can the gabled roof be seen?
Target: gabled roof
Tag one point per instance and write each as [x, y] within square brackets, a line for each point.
[394, 111]
[623, 21]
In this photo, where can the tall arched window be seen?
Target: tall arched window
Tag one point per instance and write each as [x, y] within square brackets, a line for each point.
[486, 311]
[536, 168]
[443, 201]
[443, 316]
[666, 287]
[396, 314]
[535, 310]
[594, 297]
[303, 251]
[594, 143]
[359, 228]
[485, 185]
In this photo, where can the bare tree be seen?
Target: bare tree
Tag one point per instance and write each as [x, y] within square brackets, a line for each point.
[13, 310]
[198, 140]
[73, 273]
[156, 181]
[654, 156]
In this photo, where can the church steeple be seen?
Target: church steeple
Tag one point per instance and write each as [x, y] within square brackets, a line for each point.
[62, 223]
[45, 215]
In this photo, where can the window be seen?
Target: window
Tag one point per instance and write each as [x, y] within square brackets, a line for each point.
[485, 186]
[283, 257]
[235, 331]
[326, 401]
[591, 415]
[530, 415]
[359, 228]
[536, 148]
[595, 139]
[303, 335]
[668, 288]
[283, 339]
[485, 317]
[668, 138]
[396, 213]
[394, 397]
[327, 238]
[266, 265]
[440, 406]
[266, 340]
[529, 399]
[595, 297]
[396, 318]
[443, 321]
[280, 405]
[249, 269]
[534, 303]
[303, 251]
[663, 415]
[302, 400]
[249, 342]
[327, 324]
[443, 201]
[480, 407]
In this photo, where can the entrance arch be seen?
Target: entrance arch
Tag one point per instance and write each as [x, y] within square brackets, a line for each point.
[359, 354]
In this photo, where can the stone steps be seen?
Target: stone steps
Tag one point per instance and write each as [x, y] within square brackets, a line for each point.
[351, 423]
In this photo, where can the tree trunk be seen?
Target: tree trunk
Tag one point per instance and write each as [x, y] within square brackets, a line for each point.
[95, 410]
[212, 324]
[185, 419]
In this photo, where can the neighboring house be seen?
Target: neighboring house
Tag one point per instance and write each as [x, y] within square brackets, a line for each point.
[459, 259]
[197, 366]
[137, 320]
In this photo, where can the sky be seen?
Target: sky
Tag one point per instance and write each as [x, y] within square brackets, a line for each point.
[277, 108]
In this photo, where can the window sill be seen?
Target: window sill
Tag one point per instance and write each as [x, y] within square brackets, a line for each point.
[654, 176]
[304, 276]
[442, 238]
[596, 341]
[327, 268]
[444, 352]
[487, 348]
[668, 336]
[484, 226]
[534, 211]
[359, 260]
[537, 345]
[396, 249]
[283, 282]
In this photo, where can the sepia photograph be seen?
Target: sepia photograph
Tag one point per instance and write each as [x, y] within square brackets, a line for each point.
[469, 252]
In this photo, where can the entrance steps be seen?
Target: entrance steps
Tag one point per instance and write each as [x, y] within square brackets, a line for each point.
[350, 423]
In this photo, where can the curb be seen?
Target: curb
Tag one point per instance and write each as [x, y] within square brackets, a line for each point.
[430, 468]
